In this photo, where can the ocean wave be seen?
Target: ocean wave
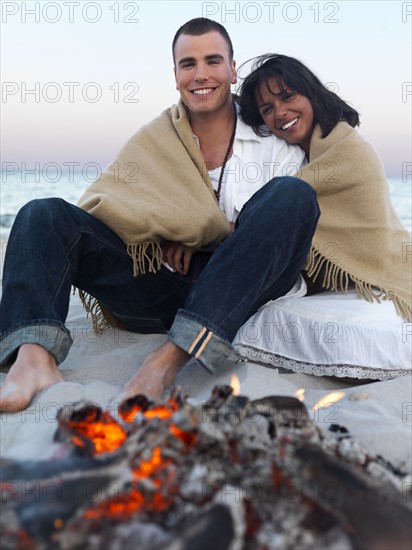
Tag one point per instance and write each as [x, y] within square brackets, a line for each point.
[6, 220]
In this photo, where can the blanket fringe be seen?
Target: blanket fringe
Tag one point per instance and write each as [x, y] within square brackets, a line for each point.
[145, 254]
[94, 310]
[337, 279]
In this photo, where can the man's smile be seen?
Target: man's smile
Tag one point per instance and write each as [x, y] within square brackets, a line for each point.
[203, 91]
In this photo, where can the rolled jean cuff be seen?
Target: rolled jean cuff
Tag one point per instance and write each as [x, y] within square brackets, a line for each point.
[55, 339]
[201, 340]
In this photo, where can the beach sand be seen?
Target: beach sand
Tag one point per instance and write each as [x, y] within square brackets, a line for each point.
[377, 414]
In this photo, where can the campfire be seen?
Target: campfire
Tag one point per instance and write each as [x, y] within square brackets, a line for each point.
[227, 474]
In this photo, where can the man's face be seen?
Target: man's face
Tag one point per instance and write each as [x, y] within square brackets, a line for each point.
[203, 72]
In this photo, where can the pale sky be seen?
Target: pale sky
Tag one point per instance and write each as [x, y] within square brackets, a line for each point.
[71, 52]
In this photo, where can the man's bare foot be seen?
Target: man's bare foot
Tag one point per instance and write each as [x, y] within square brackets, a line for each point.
[33, 370]
[158, 371]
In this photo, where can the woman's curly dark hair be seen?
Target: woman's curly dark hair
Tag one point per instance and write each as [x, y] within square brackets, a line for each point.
[328, 108]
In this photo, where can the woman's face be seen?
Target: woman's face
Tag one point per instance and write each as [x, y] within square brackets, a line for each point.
[288, 114]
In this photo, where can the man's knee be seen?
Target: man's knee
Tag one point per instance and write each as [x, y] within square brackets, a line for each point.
[42, 212]
[40, 207]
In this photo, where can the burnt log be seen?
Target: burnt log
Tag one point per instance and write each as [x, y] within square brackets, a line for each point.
[373, 513]
[212, 529]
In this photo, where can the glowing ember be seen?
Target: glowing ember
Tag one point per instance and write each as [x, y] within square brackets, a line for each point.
[300, 394]
[235, 384]
[129, 503]
[188, 437]
[58, 523]
[130, 414]
[162, 411]
[147, 467]
[129, 410]
[105, 434]
[168, 487]
[126, 504]
[98, 432]
[332, 397]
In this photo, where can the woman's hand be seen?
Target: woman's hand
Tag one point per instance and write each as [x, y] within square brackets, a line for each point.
[178, 256]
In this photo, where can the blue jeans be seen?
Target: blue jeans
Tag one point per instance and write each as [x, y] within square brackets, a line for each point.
[55, 245]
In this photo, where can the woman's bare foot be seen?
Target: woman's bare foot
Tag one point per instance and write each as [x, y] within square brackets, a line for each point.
[33, 370]
[158, 371]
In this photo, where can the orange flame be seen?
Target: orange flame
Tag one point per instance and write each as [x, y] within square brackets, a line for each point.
[332, 397]
[300, 394]
[235, 384]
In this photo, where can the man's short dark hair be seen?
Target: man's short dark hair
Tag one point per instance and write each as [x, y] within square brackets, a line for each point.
[199, 26]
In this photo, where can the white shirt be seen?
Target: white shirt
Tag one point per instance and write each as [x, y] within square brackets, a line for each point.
[255, 161]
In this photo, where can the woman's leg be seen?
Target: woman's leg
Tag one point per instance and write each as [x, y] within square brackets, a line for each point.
[260, 261]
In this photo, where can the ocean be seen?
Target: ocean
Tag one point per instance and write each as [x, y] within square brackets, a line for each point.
[19, 188]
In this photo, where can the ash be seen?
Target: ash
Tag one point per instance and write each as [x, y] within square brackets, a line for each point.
[229, 474]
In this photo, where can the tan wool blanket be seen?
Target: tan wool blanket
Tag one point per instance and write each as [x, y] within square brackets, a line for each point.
[158, 189]
[359, 237]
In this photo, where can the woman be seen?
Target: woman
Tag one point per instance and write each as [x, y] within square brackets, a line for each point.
[359, 239]
[296, 86]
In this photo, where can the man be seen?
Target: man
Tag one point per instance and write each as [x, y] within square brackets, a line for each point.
[164, 222]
